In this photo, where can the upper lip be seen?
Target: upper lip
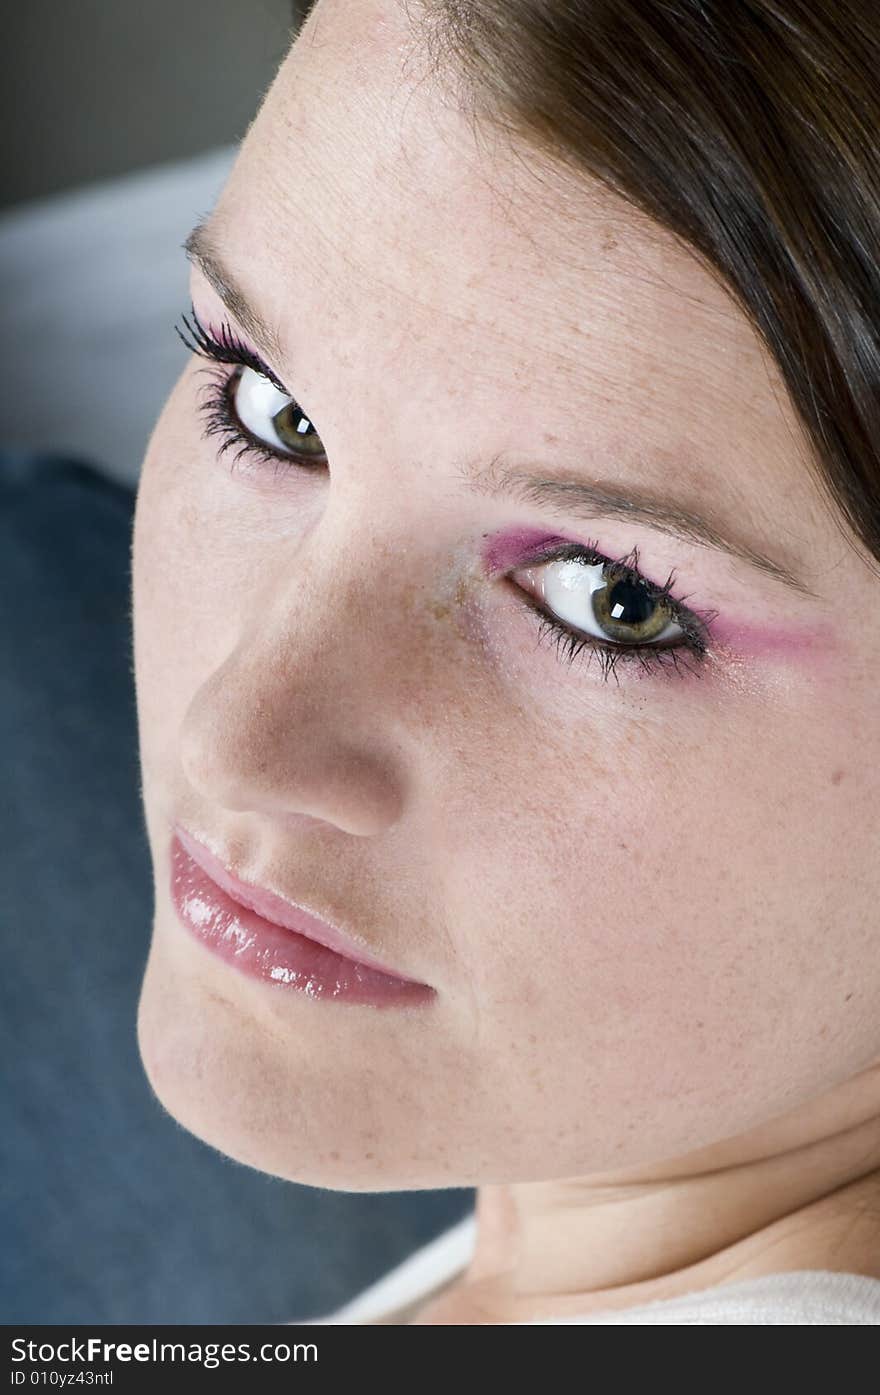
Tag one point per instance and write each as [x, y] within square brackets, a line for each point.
[281, 911]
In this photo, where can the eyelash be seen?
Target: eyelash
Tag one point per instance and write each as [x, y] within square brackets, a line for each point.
[217, 406]
[221, 420]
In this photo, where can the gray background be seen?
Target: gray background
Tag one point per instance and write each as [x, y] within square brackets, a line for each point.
[94, 88]
[121, 119]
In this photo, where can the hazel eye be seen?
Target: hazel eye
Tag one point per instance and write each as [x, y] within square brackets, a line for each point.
[272, 416]
[602, 601]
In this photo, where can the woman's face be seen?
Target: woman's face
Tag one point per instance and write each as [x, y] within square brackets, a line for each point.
[642, 897]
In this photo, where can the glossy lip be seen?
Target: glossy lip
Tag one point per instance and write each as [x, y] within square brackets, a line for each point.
[281, 912]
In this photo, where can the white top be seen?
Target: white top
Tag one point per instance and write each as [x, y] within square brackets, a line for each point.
[820, 1297]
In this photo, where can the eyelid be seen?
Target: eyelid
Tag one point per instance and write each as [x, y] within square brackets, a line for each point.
[568, 549]
[239, 351]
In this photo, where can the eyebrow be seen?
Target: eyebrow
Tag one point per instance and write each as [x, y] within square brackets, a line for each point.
[201, 251]
[586, 500]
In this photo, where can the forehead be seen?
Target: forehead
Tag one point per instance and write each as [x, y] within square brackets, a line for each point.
[366, 200]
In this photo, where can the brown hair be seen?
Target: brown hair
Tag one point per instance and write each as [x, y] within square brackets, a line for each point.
[749, 129]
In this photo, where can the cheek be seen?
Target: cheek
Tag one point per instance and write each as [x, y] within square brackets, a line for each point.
[161, 580]
[191, 573]
[666, 922]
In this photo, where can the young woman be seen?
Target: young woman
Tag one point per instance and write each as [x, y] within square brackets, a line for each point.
[506, 615]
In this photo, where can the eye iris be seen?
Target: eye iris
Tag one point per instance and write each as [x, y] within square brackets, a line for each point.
[295, 431]
[624, 605]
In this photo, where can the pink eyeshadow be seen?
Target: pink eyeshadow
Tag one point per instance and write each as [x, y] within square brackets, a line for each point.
[819, 641]
[504, 550]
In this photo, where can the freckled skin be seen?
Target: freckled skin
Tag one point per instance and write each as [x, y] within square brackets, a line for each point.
[648, 908]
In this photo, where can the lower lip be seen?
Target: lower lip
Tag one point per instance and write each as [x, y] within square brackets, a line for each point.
[282, 957]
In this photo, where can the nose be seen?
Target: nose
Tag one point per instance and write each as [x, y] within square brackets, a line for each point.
[299, 718]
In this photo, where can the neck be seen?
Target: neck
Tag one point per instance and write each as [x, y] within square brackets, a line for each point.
[782, 1199]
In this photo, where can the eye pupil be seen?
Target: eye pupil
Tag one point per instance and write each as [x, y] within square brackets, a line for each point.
[629, 604]
[628, 610]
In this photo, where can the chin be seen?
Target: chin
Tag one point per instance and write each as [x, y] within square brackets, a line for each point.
[259, 1097]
